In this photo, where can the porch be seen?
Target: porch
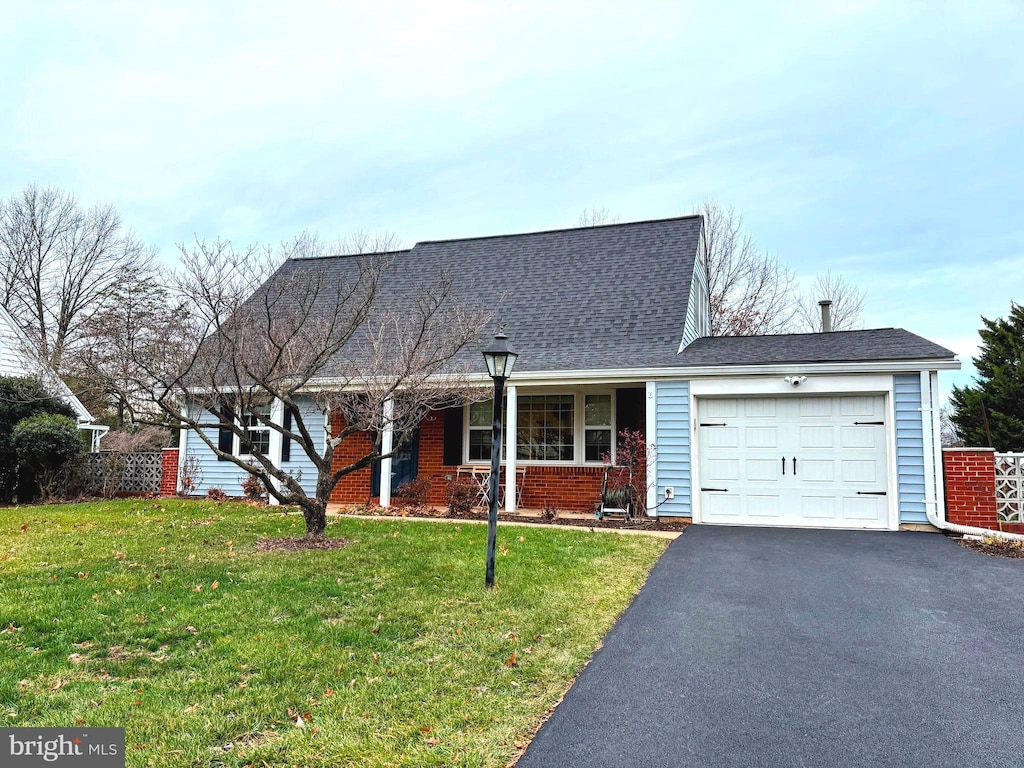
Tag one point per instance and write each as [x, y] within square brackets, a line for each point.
[556, 443]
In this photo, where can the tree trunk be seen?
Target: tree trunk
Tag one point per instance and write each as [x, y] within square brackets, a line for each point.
[315, 513]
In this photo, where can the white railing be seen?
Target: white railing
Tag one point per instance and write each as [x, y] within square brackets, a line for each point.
[1010, 487]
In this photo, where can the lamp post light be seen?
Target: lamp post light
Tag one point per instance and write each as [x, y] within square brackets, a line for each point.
[500, 358]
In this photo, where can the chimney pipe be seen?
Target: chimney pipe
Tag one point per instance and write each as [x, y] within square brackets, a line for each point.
[826, 315]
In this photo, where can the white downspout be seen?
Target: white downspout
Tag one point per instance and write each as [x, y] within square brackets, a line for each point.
[934, 502]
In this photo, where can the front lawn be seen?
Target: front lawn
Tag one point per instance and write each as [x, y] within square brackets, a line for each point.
[161, 616]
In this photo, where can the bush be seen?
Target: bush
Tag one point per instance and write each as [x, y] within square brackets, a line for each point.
[461, 497]
[411, 496]
[216, 494]
[21, 398]
[45, 446]
[549, 513]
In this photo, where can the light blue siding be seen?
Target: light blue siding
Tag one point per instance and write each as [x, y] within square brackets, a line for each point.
[313, 418]
[672, 442]
[909, 448]
[698, 303]
[228, 477]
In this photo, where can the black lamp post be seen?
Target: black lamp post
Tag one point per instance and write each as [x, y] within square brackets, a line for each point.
[500, 358]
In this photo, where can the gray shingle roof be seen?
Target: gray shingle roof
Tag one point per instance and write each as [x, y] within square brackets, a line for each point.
[839, 346]
[597, 297]
[603, 297]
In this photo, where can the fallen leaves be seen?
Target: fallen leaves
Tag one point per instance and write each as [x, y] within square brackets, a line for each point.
[511, 661]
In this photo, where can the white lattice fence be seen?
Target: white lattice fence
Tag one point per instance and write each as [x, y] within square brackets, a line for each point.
[117, 472]
[1010, 487]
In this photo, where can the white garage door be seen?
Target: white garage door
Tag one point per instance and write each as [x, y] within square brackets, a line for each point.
[798, 461]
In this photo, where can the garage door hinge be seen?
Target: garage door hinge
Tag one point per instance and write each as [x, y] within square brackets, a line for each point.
[871, 493]
[869, 423]
[710, 424]
[723, 490]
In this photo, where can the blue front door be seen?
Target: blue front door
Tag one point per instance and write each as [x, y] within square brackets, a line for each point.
[404, 465]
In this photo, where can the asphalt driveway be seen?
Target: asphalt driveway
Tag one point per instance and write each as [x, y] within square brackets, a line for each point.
[780, 647]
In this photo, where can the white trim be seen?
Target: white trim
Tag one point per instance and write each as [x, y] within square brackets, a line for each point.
[276, 444]
[182, 453]
[822, 386]
[387, 442]
[511, 415]
[651, 438]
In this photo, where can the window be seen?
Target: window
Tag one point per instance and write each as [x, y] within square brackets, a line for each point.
[545, 428]
[258, 433]
[480, 424]
[597, 427]
[548, 428]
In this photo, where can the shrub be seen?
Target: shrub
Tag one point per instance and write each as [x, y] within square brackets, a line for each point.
[461, 497]
[216, 494]
[253, 488]
[191, 475]
[549, 513]
[21, 398]
[411, 496]
[45, 445]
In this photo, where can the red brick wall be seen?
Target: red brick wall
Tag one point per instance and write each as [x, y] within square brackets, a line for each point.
[971, 488]
[353, 488]
[569, 489]
[169, 472]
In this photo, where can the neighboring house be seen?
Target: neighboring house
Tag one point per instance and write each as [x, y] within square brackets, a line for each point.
[818, 430]
[19, 358]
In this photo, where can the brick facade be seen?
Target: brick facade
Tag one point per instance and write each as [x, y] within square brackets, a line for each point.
[971, 488]
[169, 472]
[569, 489]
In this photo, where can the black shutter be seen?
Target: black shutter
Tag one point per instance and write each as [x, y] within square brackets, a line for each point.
[453, 436]
[225, 437]
[286, 443]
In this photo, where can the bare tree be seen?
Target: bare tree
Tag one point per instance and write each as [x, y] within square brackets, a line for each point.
[751, 292]
[948, 433]
[847, 304]
[316, 328]
[594, 217]
[59, 264]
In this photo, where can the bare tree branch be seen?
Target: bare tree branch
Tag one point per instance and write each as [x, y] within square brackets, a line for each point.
[593, 217]
[847, 304]
[257, 333]
[59, 264]
[751, 292]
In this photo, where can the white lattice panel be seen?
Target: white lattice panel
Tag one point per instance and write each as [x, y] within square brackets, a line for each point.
[1010, 487]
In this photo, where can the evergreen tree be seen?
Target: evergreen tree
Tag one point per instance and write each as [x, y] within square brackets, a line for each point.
[991, 412]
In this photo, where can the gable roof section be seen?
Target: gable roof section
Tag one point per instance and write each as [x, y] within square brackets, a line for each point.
[18, 358]
[611, 296]
[836, 347]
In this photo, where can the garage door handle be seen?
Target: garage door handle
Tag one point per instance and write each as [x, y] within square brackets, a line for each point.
[713, 424]
[721, 490]
[794, 466]
[783, 465]
[871, 493]
[869, 423]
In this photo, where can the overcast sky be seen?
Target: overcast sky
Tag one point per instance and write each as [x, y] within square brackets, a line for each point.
[882, 140]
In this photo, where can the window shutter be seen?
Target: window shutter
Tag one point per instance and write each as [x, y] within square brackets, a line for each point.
[225, 437]
[453, 436]
[286, 443]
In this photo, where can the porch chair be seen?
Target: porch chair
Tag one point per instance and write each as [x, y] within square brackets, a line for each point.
[616, 496]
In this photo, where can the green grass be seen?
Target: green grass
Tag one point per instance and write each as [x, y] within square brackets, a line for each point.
[161, 617]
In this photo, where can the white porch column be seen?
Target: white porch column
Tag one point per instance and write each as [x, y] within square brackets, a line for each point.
[276, 443]
[651, 438]
[510, 449]
[386, 445]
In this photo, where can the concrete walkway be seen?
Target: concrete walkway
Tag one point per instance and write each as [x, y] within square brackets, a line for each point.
[780, 647]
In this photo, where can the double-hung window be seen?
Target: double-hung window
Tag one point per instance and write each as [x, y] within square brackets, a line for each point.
[597, 427]
[257, 432]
